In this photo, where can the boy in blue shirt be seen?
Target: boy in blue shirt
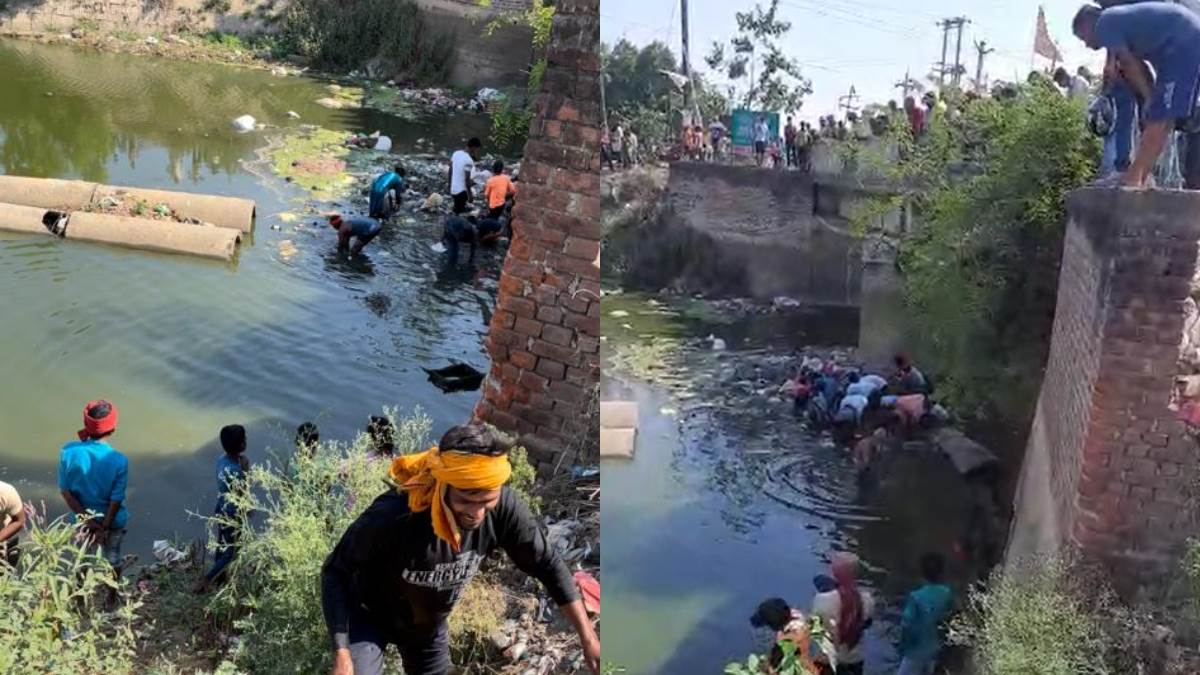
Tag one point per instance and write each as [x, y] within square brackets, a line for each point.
[92, 478]
[920, 624]
[385, 193]
[231, 472]
[1167, 35]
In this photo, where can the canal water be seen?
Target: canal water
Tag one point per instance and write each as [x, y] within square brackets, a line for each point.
[728, 501]
[182, 346]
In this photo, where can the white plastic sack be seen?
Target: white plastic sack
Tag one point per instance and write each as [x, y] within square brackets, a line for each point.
[244, 123]
[384, 144]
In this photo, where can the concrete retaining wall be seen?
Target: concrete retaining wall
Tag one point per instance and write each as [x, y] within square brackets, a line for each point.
[1108, 466]
[742, 231]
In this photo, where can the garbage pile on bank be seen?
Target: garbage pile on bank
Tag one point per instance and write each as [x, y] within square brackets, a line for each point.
[535, 639]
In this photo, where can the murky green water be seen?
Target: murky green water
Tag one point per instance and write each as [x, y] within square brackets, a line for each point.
[728, 501]
[184, 346]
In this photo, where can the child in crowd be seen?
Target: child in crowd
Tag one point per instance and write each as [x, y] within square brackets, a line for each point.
[307, 437]
[232, 467]
[920, 624]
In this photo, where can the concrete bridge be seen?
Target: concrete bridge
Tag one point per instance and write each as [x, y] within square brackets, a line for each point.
[1110, 467]
[739, 231]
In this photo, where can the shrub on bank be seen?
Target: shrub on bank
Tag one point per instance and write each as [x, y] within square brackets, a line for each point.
[988, 189]
[347, 36]
[302, 504]
[1041, 617]
[53, 608]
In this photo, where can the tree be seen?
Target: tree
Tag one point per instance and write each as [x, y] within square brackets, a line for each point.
[636, 74]
[775, 80]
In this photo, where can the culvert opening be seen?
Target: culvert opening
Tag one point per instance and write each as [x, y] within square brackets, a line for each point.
[55, 222]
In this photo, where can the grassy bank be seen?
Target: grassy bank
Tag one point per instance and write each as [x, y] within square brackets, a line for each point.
[267, 617]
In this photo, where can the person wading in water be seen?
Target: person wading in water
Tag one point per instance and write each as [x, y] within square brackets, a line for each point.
[400, 567]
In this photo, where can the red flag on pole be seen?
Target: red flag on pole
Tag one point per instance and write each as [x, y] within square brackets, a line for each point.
[1042, 44]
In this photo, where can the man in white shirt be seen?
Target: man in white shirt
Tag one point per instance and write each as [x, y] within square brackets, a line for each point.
[12, 521]
[462, 163]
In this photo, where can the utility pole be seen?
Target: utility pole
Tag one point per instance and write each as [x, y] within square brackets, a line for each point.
[849, 102]
[907, 84]
[688, 94]
[946, 24]
[958, 68]
[983, 50]
[603, 103]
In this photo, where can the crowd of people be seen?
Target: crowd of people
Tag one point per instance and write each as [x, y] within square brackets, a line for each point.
[465, 224]
[398, 569]
[844, 611]
[869, 415]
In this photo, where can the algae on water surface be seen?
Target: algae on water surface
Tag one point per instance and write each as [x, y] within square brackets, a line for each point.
[314, 158]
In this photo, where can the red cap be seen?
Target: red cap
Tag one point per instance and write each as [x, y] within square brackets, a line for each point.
[93, 427]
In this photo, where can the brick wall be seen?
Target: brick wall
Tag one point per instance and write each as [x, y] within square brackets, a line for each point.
[545, 334]
[1108, 465]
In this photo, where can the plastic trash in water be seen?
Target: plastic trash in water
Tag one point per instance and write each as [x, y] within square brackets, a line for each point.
[384, 144]
[584, 471]
[488, 94]
[438, 247]
[293, 114]
[164, 552]
[244, 123]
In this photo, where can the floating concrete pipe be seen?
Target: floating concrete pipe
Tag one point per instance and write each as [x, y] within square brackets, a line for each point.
[165, 236]
[29, 219]
[75, 195]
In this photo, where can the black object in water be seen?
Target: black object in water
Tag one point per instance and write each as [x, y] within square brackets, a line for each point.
[456, 377]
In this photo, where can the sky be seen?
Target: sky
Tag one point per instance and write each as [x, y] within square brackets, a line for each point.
[865, 43]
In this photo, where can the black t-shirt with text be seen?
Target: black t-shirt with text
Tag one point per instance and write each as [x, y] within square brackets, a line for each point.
[391, 563]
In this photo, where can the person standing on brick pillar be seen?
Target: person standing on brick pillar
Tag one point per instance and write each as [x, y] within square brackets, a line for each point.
[400, 567]
[462, 163]
[1168, 36]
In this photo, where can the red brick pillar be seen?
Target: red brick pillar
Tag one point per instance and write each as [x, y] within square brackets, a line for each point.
[545, 334]
[1110, 467]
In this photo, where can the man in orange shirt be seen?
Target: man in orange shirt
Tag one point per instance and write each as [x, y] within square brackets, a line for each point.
[497, 190]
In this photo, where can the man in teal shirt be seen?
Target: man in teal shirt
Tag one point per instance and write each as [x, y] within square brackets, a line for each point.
[385, 193]
[92, 478]
[920, 624]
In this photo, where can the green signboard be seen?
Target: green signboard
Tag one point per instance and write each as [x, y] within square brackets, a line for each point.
[742, 133]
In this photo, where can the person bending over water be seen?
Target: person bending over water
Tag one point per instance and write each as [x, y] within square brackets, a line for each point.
[782, 623]
[385, 193]
[362, 228]
[458, 229]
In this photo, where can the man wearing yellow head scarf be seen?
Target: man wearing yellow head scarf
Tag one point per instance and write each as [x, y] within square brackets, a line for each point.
[400, 567]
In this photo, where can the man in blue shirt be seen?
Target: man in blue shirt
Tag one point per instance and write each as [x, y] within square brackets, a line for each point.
[920, 624]
[92, 478]
[362, 228]
[385, 193]
[1167, 35]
